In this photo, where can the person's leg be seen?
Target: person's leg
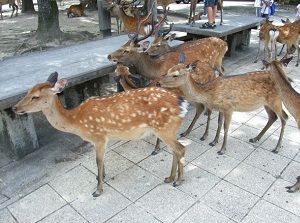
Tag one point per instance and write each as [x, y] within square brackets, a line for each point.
[210, 14]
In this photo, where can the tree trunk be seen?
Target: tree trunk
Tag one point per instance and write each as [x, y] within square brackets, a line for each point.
[27, 6]
[48, 21]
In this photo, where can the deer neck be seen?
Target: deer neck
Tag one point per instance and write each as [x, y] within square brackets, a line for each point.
[59, 117]
[148, 67]
[289, 96]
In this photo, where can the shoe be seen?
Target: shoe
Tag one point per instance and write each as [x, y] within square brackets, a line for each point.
[207, 25]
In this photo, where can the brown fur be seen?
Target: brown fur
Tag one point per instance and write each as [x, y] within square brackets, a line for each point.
[124, 116]
[243, 93]
[77, 10]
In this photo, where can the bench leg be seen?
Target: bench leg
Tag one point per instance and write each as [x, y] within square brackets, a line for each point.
[17, 134]
[231, 41]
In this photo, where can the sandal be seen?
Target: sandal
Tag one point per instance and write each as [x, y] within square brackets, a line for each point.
[207, 25]
[214, 24]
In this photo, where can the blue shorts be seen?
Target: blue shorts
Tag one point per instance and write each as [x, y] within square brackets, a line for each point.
[211, 3]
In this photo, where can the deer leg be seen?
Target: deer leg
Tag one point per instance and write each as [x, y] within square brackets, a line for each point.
[227, 120]
[283, 117]
[207, 125]
[157, 147]
[255, 61]
[100, 150]
[178, 157]
[281, 50]
[199, 110]
[220, 123]
[295, 187]
[297, 47]
[272, 117]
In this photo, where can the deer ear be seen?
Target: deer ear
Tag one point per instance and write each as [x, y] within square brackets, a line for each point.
[192, 66]
[265, 63]
[145, 45]
[285, 61]
[59, 86]
[53, 78]
[171, 37]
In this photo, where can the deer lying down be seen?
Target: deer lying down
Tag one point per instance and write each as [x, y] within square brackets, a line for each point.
[290, 98]
[201, 75]
[243, 93]
[13, 5]
[123, 116]
[77, 10]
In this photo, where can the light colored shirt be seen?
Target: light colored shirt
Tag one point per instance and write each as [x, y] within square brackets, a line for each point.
[257, 3]
[266, 9]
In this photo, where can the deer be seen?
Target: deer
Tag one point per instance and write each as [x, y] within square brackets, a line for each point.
[209, 49]
[129, 115]
[288, 34]
[202, 74]
[243, 93]
[160, 45]
[289, 96]
[13, 5]
[77, 10]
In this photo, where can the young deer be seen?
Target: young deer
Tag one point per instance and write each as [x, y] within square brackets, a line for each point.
[243, 93]
[201, 74]
[290, 98]
[13, 5]
[124, 116]
[77, 10]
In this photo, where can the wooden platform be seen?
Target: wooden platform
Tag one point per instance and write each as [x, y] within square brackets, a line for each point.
[235, 30]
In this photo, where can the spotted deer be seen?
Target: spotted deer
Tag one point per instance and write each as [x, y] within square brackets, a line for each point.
[128, 115]
[160, 45]
[13, 5]
[210, 50]
[201, 74]
[289, 96]
[242, 93]
[288, 34]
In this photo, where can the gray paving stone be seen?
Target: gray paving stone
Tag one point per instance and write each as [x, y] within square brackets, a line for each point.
[133, 214]
[230, 200]
[193, 149]
[6, 217]
[202, 213]
[101, 208]
[197, 181]
[291, 133]
[134, 182]
[37, 205]
[259, 121]
[75, 182]
[289, 148]
[216, 164]
[114, 164]
[135, 151]
[250, 179]
[159, 165]
[269, 213]
[64, 215]
[291, 172]
[278, 196]
[166, 203]
[267, 161]
[297, 157]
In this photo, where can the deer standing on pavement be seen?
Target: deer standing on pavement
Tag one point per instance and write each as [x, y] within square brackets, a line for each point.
[290, 98]
[77, 10]
[128, 115]
[13, 5]
[243, 93]
[202, 74]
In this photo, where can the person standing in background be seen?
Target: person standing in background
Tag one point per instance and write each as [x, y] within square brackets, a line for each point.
[265, 9]
[211, 9]
[297, 11]
[257, 5]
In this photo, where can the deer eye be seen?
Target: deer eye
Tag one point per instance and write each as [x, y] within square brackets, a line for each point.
[35, 98]
[126, 51]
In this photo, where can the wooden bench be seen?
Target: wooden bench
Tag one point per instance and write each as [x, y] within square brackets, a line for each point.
[235, 30]
[86, 68]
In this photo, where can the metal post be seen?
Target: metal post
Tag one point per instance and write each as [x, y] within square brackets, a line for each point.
[104, 19]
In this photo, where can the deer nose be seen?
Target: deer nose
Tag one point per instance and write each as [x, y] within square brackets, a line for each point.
[14, 108]
[109, 57]
[158, 84]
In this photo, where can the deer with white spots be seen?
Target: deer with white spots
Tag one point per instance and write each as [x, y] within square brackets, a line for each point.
[129, 115]
[227, 94]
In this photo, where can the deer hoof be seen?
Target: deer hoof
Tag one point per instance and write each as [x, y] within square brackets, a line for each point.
[169, 179]
[176, 184]
[221, 152]
[97, 194]
[154, 153]
[275, 151]
[212, 143]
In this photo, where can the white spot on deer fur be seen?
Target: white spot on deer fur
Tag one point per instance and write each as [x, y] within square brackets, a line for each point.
[102, 119]
[182, 160]
[85, 120]
[143, 125]
[80, 121]
[97, 120]
[162, 109]
[86, 125]
[133, 115]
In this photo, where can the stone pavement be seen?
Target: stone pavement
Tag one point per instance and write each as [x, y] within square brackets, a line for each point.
[247, 184]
